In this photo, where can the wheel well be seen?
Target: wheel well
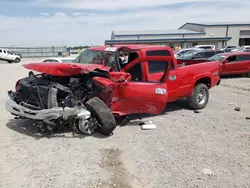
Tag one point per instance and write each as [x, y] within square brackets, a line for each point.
[205, 80]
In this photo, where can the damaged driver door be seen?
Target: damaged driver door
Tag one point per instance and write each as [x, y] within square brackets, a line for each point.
[140, 95]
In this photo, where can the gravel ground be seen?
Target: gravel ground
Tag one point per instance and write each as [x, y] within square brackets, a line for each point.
[206, 149]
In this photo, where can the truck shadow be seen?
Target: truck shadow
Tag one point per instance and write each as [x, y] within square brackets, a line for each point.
[26, 127]
[233, 76]
[136, 119]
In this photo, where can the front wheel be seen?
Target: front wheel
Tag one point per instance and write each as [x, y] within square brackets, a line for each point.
[199, 98]
[17, 60]
[103, 114]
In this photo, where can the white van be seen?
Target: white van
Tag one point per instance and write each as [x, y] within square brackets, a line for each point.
[8, 56]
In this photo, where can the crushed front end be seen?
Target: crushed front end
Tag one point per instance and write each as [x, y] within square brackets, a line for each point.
[53, 102]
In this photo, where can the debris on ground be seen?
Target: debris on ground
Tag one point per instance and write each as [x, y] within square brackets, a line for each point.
[208, 171]
[197, 112]
[248, 118]
[230, 103]
[237, 109]
[147, 125]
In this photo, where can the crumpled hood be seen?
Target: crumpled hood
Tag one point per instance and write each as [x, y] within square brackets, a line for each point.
[64, 69]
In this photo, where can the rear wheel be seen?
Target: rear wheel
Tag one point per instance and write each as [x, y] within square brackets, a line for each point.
[103, 114]
[200, 97]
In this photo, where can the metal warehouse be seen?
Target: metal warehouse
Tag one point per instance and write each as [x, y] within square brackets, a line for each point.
[188, 35]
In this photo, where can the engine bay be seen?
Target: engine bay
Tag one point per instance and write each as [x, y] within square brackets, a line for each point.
[44, 91]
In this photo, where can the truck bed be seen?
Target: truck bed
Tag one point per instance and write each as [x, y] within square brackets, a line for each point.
[189, 61]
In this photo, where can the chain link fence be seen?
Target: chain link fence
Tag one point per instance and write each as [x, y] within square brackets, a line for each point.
[38, 51]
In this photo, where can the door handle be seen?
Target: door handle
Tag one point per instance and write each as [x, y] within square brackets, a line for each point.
[172, 78]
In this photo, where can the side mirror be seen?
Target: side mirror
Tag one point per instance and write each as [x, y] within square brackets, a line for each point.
[225, 61]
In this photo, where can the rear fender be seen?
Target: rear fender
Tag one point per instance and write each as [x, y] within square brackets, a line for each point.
[199, 77]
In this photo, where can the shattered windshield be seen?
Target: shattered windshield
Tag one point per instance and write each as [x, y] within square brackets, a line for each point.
[217, 57]
[106, 58]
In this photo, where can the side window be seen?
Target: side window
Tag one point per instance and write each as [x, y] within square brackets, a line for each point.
[199, 55]
[135, 72]
[243, 57]
[231, 58]
[161, 53]
[158, 53]
[157, 66]
[4, 51]
[209, 54]
[0, 51]
[194, 44]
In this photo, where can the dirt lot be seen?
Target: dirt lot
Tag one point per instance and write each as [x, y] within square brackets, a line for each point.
[206, 149]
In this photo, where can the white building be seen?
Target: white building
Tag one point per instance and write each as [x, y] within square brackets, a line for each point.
[188, 35]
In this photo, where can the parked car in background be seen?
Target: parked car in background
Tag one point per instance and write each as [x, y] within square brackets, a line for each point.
[8, 56]
[179, 53]
[60, 59]
[233, 63]
[229, 48]
[200, 54]
[193, 57]
[241, 49]
[246, 50]
[205, 46]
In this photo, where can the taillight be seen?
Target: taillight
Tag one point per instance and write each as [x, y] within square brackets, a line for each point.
[17, 85]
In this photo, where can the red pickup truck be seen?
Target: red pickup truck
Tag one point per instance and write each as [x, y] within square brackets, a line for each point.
[231, 63]
[127, 79]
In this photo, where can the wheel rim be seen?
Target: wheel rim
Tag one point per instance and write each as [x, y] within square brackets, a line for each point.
[201, 96]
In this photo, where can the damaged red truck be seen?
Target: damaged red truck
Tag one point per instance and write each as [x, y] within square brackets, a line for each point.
[105, 82]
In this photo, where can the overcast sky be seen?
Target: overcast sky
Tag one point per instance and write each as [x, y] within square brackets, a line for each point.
[85, 22]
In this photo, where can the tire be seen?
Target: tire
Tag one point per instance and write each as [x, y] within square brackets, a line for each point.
[103, 114]
[17, 60]
[248, 74]
[9, 61]
[200, 97]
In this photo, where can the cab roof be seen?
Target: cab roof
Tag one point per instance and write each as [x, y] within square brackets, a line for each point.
[133, 47]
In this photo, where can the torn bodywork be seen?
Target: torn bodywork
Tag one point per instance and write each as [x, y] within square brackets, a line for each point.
[81, 101]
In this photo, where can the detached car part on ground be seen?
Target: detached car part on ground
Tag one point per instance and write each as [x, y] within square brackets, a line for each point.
[89, 93]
